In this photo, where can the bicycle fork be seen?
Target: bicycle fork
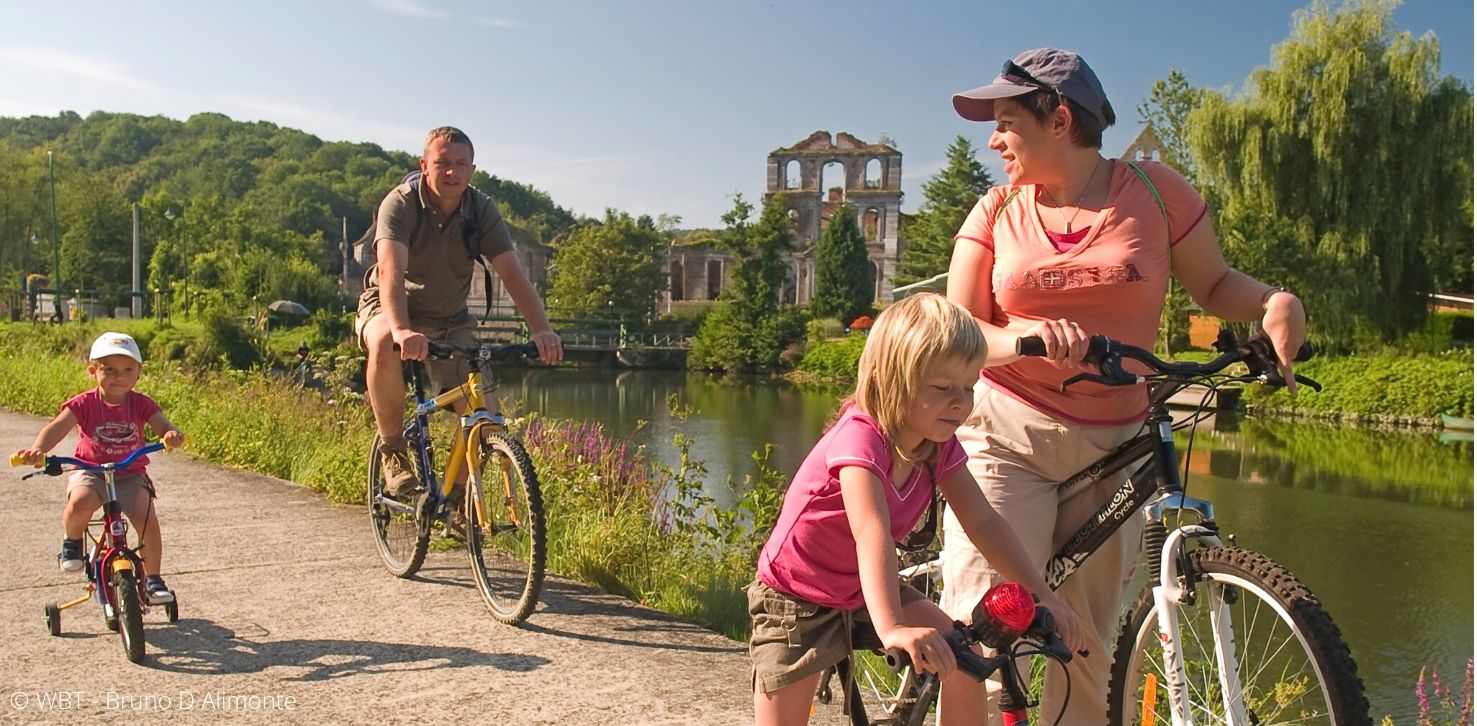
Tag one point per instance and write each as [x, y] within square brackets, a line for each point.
[1176, 586]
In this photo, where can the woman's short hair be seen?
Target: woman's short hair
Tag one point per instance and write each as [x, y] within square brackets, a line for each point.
[1086, 131]
[908, 337]
[452, 135]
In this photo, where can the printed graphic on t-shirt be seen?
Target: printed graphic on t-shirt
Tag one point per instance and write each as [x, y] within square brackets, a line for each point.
[1066, 278]
[117, 433]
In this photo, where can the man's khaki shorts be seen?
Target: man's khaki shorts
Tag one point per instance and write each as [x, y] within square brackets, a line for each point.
[445, 374]
[793, 639]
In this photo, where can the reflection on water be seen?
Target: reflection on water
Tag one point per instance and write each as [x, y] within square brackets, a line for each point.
[1377, 524]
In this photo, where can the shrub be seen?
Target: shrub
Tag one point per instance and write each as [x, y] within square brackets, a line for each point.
[224, 339]
[823, 328]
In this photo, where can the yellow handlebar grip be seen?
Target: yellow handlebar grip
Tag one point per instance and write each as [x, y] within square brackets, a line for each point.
[182, 444]
[17, 460]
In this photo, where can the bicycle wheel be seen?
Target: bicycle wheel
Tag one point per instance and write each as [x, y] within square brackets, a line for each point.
[890, 697]
[401, 530]
[505, 528]
[130, 614]
[1292, 663]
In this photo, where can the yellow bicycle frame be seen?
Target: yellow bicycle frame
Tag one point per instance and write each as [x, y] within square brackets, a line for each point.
[472, 424]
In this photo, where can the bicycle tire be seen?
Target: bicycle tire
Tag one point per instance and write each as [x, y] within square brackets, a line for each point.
[130, 614]
[506, 528]
[1298, 671]
[401, 538]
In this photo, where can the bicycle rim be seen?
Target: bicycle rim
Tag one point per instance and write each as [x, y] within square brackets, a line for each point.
[400, 536]
[505, 529]
[1292, 665]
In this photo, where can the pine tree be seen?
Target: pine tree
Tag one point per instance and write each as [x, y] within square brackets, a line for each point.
[843, 277]
[947, 199]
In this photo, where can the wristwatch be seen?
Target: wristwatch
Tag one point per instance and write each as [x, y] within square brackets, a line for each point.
[1267, 296]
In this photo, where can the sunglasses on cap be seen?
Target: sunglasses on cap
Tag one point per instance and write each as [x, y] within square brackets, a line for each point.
[1013, 70]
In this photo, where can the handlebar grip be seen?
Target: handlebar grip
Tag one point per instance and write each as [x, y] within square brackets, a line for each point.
[17, 460]
[1030, 346]
[1305, 352]
[182, 444]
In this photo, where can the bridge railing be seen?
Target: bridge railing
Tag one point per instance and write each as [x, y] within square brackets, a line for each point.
[581, 333]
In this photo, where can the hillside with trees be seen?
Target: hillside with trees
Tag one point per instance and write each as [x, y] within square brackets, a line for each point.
[228, 209]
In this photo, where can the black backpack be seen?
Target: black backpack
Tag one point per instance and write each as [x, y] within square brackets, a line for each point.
[471, 227]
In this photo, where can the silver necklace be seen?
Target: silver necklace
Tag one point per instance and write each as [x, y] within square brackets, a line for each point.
[1078, 206]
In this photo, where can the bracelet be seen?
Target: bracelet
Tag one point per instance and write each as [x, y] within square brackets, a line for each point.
[1267, 296]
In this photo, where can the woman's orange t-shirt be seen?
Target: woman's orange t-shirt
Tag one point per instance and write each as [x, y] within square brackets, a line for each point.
[1111, 283]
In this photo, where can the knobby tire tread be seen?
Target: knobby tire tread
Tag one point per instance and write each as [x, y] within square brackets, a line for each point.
[1330, 653]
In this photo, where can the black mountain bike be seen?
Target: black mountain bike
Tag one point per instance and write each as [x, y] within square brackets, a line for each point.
[1220, 634]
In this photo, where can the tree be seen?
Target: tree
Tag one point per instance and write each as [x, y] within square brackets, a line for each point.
[610, 269]
[1166, 113]
[843, 277]
[947, 199]
[748, 330]
[1357, 155]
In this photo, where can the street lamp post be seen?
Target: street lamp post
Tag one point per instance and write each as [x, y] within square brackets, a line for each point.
[184, 263]
[56, 254]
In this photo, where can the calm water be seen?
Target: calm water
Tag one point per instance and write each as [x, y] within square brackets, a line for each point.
[1378, 525]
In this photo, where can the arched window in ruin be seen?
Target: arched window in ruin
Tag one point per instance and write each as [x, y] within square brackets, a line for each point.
[792, 174]
[874, 174]
[870, 219]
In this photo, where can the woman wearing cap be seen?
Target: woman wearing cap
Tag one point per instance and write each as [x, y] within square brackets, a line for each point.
[1073, 245]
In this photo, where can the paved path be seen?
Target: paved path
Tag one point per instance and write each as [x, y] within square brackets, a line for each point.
[287, 616]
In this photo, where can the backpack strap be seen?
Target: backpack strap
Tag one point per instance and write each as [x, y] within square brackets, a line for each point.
[1163, 211]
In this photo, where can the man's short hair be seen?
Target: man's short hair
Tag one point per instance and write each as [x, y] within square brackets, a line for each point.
[452, 135]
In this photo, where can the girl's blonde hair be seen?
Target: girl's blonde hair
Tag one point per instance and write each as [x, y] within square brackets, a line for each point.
[908, 337]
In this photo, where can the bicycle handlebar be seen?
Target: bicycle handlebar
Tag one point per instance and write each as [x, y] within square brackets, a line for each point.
[499, 351]
[1108, 354]
[52, 465]
[1041, 633]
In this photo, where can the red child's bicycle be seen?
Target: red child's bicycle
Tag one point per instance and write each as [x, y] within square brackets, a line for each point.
[114, 569]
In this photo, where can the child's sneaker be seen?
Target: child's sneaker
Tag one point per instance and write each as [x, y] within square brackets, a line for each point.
[71, 556]
[157, 591]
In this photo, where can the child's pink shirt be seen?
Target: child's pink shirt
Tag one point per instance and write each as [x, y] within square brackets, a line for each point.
[810, 553]
[1111, 283]
[109, 432]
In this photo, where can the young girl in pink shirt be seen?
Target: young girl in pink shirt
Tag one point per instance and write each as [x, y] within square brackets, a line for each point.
[831, 558]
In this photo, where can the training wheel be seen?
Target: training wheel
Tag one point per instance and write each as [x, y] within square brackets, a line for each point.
[53, 619]
[172, 609]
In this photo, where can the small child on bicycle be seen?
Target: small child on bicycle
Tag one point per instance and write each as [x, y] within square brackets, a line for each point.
[110, 423]
[831, 558]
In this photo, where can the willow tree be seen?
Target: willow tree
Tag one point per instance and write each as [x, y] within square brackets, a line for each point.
[1344, 170]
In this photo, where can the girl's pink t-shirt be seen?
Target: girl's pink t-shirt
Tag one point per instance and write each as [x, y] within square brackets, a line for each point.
[810, 553]
[1111, 283]
[110, 432]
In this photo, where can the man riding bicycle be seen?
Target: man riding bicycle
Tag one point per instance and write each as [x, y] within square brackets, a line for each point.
[426, 234]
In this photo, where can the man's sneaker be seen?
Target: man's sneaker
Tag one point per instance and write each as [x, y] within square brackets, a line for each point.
[456, 525]
[395, 467]
[157, 591]
[71, 556]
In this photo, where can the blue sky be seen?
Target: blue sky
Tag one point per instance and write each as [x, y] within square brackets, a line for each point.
[648, 106]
